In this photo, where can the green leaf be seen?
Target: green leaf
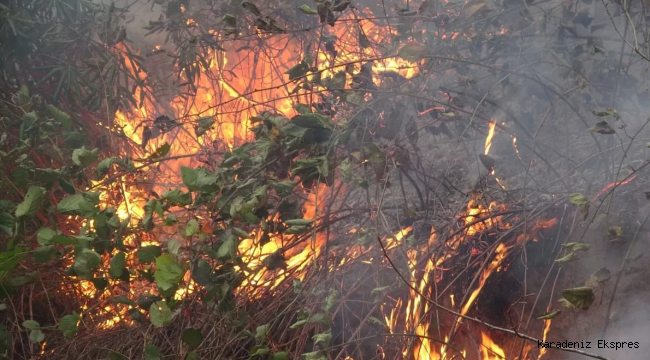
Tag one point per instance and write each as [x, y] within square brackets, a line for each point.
[44, 253]
[76, 204]
[549, 316]
[32, 202]
[61, 117]
[229, 20]
[117, 265]
[31, 325]
[160, 314]
[602, 128]
[606, 112]
[137, 315]
[299, 222]
[251, 8]
[284, 188]
[173, 247]
[6, 223]
[320, 318]
[192, 337]
[261, 332]
[228, 249]
[281, 355]
[312, 121]
[9, 260]
[160, 152]
[83, 157]
[170, 219]
[567, 258]
[298, 71]
[204, 124]
[152, 206]
[199, 179]
[413, 52]
[177, 197]
[578, 298]
[314, 355]
[259, 351]
[45, 235]
[105, 165]
[47, 176]
[307, 10]
[86, 261]
[68, 324]
[573, 246]
[296, 230]
[192, 356]
[298, 324]
[192, 227]
[151, 353]
[322, 340]
[168, 273]
[123, 300]
[36, 336]
[62, 240]
[147, 254]
[146, 300]
[112, 355]
[578, 199]
[67, 186]
[303, 109]
[330, 300]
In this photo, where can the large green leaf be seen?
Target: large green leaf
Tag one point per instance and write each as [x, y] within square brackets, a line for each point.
[168, 273]
[36, 336]
[199, 179]
[192, 337]
[33, 201]
[152, 206]
[151, 353]
[86, 261]
[63, 118]
[228, 249]
[31, 324]
[68, 324]
[76, 204]
[117, 263]
[192, 227]
[177, 197]
[148, 254]
[204, 124]
[44, 253]
[578, 298]
[9, 260]
[83, 157]
[45, 235]
[160, 314]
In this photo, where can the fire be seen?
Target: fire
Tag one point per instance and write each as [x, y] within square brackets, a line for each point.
[490, 350]
[490, 136]
[547, 328]
[231, 95]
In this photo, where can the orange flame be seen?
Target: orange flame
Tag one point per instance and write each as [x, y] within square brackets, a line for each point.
[488, 139]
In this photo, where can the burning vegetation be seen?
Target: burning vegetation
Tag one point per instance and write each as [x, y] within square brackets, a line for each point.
[327, 180]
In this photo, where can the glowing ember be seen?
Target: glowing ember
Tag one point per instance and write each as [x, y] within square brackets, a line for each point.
[611, 186]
